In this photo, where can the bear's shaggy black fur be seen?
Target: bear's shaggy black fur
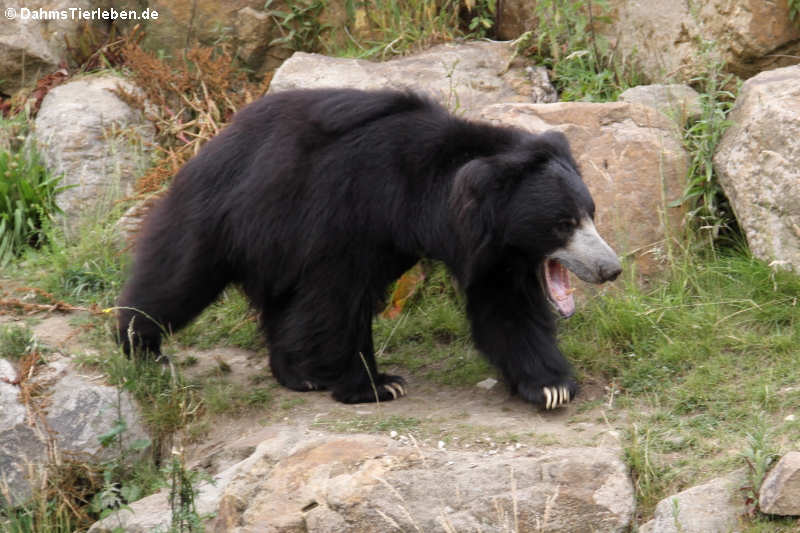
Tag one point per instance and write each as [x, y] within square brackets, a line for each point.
[314, 201]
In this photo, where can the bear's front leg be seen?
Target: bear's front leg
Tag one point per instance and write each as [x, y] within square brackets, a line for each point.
[512, 325]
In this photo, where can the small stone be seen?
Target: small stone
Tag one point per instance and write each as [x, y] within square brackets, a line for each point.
[790, 418]
[780, 491]
[393, 434]
[486, 384]
[440, 445]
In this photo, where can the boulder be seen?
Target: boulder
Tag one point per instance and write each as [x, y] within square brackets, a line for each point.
[713, 507]
[758, 165]
[94, 139]
[329, 483]
[464, 77]
[633, 161]
[32, 47]
[68, 413]
[780, 491]
[672, 39]
[679, 102]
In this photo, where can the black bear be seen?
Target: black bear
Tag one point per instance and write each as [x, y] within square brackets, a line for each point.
[314, 201]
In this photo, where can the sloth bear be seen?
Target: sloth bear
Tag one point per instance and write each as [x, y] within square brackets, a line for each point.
[314, 201]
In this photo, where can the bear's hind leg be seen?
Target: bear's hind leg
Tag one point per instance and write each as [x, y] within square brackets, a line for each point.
[317, 345]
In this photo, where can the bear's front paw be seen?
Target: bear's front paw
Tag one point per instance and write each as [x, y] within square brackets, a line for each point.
[385, 388]
[549, 396]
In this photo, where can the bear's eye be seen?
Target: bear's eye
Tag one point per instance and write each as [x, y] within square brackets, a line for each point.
[566, 225]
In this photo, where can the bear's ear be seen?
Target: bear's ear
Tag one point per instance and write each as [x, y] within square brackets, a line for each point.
[472, 211]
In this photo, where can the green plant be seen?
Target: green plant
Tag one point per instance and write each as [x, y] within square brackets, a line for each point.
[481, 16]
[794, 9]
[708, 209]
[301, 26]
[759, 454]
[27, 201]
[16, 341]
[585, 66]
[183, 494]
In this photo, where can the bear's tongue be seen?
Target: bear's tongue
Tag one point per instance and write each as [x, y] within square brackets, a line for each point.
[558, 287]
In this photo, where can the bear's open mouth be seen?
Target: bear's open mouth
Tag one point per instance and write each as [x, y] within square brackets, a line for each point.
[558, 289]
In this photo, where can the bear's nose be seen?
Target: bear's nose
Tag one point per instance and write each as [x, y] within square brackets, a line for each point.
[610, 272]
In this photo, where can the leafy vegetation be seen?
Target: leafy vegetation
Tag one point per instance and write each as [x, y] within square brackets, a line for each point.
[709, 211]
[585, 66]
[300, 25]
[794, 9]
[27, 200]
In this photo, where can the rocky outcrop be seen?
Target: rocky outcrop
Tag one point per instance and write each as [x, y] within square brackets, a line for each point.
[780, 491]
[758, 165]
[463, 77]
[679, 102]
[632, 160]
[67, 413]
[714, 507]
[32, 47]
[329, 483]
[99, 143]
[671, 39]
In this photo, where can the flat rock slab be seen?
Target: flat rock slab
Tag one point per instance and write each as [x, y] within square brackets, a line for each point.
[632, 160]
[780, 491]
[330, 483]
[758, 164]
[463, 77]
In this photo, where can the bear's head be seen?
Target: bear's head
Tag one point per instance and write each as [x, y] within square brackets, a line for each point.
[527, 208]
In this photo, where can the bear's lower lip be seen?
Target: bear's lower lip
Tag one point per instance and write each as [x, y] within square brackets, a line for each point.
[559, 291]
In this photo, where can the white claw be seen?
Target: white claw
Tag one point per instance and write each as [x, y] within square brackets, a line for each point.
[400, 389]
[391, 391]
[566, 394]
[563, 395]
[547, 398]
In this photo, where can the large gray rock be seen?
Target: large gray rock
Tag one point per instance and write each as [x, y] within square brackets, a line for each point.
[714, 507]
[68, 414]
[327, 483]
[758, 164]
[97, 141]
[632, 159]
[464, 77]
[780, 491]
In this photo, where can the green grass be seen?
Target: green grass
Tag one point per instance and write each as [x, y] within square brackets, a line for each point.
[584, 64]
[16, 341]
[230, 321]
[432, 337]
[701, 358]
